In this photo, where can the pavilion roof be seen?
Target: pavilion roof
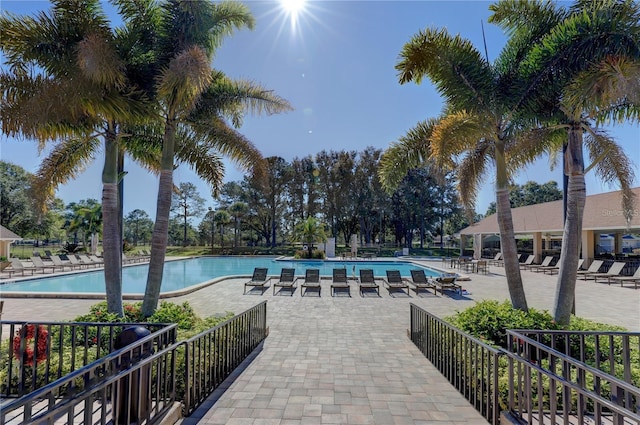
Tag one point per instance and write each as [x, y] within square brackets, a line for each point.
[602, 212]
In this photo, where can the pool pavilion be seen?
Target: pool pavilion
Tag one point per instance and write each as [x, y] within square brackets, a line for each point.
[605, 231]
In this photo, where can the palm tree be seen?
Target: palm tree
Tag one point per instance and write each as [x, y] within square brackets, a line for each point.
[238, 210]
[578, 65]
[480, 123]
[221, 218]
[194, 98]
[69, 59]
[309, 231]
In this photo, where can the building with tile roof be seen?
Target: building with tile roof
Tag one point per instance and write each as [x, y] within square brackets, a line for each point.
[544, 222]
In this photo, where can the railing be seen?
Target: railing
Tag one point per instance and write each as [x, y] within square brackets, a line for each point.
[212, 355]
[37, 353]
[550, 380]
[470, 365]
[128, 385]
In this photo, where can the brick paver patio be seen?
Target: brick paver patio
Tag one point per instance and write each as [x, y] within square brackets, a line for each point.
[340, 360]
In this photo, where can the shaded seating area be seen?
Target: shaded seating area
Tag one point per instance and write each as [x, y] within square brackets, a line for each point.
[367, 281]
[420, 281]
[259, 279]
[311, 282]
[395, 282]
[339, 281]
[287, 281]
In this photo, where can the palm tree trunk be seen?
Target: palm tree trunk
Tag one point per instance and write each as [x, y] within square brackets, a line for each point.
[111, 227]
[571, 237]
[160, 234]
[507, 234]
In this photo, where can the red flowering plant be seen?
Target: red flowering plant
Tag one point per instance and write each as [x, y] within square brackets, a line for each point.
[32, 348]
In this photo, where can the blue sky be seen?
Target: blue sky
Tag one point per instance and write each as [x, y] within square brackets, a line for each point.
[336, 67]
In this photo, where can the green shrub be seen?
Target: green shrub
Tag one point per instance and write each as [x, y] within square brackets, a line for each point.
[488, 320]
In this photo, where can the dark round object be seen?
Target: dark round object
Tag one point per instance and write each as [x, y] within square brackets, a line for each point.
[130, 335]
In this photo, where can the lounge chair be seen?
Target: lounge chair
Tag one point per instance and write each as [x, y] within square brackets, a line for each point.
[258, 280]
[287, 281]
[556, 269]
[96, 260]
[420, 281]
[545, 263]
[311, 281]
[74, 260]
[496, 260]
[39, 264]
[527, 262]
[58, 262]
[447, 282]
[339, 281]
[367, 281]
[17, 266]
[614, 270]
[88, 261]
[635, 279]
[395, 282]
[48, 253]
[593, 268]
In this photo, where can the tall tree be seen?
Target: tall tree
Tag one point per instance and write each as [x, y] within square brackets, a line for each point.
[187, 203]
[137, 226]
[530, 193]
[194, 98]
[221, 219]
[69, 58]
[582, 67]
[482, 122]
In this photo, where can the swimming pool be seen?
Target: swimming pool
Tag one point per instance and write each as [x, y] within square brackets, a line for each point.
[181, 274]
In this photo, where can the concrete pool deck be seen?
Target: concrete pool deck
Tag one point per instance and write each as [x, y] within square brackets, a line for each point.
[340, 360]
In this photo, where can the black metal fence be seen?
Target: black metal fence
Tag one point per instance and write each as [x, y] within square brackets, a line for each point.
[212, 355]
[37, 353]
[545, 377]
[587, 376]
[470, 365]
[142, 381]
[129, 385]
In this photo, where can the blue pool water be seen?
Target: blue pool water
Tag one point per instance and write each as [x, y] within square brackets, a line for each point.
[182, 274]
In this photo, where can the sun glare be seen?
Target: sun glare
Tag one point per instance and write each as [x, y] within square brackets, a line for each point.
[293, 7]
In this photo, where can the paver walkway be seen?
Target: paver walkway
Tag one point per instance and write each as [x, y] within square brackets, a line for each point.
[348, 360]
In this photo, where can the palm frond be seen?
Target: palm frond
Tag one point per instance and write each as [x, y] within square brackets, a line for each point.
[99, 62]
[456, 68]
[456, 133]
[185, 79]
[470, 172]
[201, 23]
[527, 146]
[219, 137]
[233, 98]
[410, 151]
[206, 162]
[612, 165]
[65, 162]
[608, 91]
